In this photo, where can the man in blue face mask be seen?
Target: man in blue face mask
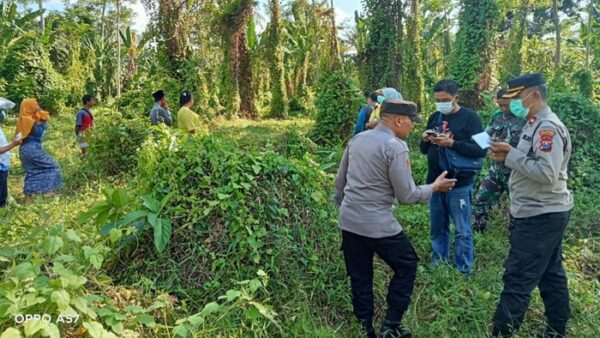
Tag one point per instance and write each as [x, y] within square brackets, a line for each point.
[451, 127]
[540, 208]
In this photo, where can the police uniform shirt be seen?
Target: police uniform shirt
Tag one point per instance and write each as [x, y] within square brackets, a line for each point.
[538, 182]
[373, 175]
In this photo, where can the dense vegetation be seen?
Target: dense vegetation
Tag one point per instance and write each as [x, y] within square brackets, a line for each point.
[233, 234]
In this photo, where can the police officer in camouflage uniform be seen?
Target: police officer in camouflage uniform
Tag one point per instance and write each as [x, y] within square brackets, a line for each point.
[505, 127]
[540, 210]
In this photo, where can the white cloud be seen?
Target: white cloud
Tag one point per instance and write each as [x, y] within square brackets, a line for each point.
[140, 17]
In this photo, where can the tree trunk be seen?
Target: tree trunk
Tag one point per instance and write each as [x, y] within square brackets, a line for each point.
[589, 34]
[42, 19]
[558, 35]
[335, 50]
[279, 98]
[102, 20]
[413, 78]
[118, 35]
[238, 72]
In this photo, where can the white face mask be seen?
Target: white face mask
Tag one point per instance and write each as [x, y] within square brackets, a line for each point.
[444, 107]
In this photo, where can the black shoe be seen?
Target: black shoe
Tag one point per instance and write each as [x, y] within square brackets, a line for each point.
[394, 330]
[368, 330]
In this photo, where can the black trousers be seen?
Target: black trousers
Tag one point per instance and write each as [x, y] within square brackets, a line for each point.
[398, 253]
[3, 187]
[535, 259]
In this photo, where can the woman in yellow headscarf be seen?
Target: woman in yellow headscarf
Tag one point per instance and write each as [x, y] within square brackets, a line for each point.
[42, 173]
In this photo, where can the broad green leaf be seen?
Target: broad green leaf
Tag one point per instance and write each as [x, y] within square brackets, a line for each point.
[120, 198]
[11, 332]
[52, 244]
[51, 330]
[151, 204]
[209, 308]
[72, 281]
[131, 217]
[146, 319]
[265, 310]
[72, 236]
[232, 295]
[94, 256]
[31, 327]
[25, 270]
[62, 299]
[82, 305]
[162, 234]
[153, 219]
[182, 330]
[96, 330]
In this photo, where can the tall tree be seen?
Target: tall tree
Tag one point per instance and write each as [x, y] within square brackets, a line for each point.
[238, 59]
[118, 37]
[279, 99]
[381, 61]
[473, 39]
[513, 55]
[556, 22]
[413, 82]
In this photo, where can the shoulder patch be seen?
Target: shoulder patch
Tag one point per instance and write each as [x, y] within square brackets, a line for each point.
[546, 137]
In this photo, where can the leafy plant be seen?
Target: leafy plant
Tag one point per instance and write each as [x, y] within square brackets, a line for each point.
[114, 143]
[337, 102]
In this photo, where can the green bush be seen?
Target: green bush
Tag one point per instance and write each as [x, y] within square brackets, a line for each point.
[232, 212]
[28, 72]
[337, 104]
[114, 143]
[581, 117]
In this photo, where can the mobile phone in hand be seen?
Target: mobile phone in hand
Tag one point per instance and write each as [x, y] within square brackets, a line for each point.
[431, 133]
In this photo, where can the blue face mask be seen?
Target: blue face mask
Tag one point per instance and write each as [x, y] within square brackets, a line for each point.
[380, 99]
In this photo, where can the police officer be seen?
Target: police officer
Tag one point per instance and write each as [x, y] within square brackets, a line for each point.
[540, 209]
[504, 126]
[373, 174]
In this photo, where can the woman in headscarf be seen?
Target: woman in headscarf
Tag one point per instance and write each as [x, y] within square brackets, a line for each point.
[187, 119]
[42, 173]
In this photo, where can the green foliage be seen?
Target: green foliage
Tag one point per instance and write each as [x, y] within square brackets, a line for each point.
[580, 116]
[114, 143]
[258, 204]
[28, 70]
[477, 20]
[585, 82]
[413, 82]
[381, 59]
[337, 103]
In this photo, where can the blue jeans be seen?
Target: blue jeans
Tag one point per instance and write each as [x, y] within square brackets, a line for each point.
[455, 204]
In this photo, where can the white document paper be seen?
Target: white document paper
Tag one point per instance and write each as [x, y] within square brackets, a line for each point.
[482, 139]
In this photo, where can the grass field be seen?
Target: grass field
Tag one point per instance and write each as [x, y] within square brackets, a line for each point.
[444, 304]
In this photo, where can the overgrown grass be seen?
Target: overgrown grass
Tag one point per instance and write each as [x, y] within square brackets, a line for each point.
[444, 303]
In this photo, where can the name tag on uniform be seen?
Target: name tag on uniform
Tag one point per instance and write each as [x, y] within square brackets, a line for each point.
[527, 138]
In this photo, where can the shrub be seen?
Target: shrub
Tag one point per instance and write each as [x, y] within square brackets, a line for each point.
[580, 116]
[114, 143]
[29, 73]
[232, 212]
[337, 104]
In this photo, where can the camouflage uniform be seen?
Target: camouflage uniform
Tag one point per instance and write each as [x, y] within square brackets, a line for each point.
[507, 128]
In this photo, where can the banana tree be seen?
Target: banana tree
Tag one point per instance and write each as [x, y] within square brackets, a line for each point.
[13, 25]
[134, 48]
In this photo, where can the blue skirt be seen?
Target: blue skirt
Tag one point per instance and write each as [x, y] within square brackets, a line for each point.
[42, 173]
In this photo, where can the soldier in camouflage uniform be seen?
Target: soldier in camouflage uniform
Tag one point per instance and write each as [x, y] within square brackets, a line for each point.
[504, 127]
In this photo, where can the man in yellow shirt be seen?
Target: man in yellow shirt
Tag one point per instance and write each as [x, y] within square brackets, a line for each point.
[187, 119]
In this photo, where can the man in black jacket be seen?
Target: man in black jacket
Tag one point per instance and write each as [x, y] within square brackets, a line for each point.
[451, 127]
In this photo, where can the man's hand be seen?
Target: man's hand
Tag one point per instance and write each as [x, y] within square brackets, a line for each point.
[443, 184]
[443, 140]
[498, 151]
[425, 137]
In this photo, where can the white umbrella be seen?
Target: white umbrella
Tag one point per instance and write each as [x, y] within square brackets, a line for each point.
[6, 104]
